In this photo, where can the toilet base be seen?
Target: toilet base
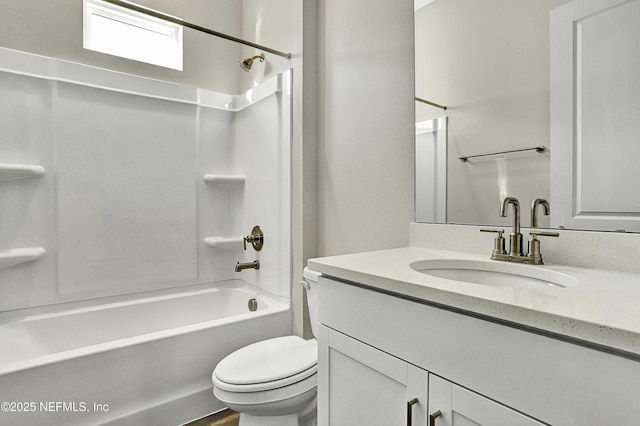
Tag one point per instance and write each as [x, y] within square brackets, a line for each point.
[308, 417]
[249, 420]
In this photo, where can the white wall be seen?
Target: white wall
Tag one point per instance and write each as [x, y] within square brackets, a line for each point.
[366, 115]
[54, 28]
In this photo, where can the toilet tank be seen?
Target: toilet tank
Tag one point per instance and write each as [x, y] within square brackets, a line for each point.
[311, 284]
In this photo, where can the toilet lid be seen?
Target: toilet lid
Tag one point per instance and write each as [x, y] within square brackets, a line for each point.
[268, 360]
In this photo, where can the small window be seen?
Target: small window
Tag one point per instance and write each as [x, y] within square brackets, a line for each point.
[122, 32]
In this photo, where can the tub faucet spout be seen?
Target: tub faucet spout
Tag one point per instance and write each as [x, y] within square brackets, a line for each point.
[248, 265]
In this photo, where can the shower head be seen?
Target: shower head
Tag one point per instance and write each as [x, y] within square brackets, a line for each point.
[245, 64]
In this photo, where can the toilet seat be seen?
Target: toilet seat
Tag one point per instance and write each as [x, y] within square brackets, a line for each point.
[267, 365]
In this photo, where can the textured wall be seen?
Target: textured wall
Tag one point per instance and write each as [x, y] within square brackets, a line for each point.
[366, 115]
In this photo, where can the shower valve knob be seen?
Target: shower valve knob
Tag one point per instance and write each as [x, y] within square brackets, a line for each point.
[256, 238]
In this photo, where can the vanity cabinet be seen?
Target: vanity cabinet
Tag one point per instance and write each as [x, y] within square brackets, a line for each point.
[453, 405]
[369, 387]
[378, 350]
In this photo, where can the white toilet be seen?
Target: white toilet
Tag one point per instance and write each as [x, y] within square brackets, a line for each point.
[273, 382]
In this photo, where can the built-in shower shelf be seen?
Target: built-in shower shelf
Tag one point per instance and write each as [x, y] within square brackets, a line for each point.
[19, 171]
[228, 243]
[211, 178]
[14, 257]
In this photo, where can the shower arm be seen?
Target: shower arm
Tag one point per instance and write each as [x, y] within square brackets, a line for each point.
[178, 21]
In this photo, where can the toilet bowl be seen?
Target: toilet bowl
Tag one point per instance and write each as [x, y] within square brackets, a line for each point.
[273, 382]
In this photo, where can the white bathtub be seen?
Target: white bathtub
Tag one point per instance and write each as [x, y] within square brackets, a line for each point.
[146, 361]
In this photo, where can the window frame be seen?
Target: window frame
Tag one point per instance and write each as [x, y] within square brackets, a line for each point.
[168, 54]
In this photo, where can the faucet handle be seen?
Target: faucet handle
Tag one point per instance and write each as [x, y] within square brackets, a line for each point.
[534, 245]
[256, 238]
[498, 243]
[498, 231]
[535, 234]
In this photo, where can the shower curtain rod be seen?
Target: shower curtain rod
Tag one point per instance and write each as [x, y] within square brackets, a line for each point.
[424, 101]
[178, 21]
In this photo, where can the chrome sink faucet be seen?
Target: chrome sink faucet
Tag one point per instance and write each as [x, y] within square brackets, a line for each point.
[515, 253]
[516, 237]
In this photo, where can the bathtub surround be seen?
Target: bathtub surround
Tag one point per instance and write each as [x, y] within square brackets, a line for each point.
[124, 209]
[96, 132]
[54, 29]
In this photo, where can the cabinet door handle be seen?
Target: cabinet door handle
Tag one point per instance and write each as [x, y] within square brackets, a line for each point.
[410, 405]
[433, 416]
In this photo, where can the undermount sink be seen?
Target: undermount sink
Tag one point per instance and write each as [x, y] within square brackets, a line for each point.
[494, 273]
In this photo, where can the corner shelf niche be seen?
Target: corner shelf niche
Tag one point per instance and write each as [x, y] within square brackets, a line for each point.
[9, 172]
[14, 257]
[228, 243]
[19, 171]
[213, 178]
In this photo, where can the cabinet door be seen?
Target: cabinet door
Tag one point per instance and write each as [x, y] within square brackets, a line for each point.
[595, 96]
[361, 385]
[461, 407]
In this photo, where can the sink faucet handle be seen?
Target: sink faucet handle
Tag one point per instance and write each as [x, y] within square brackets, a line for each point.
[498, 231]
[543, 234]
[498, 243]
[534, 245]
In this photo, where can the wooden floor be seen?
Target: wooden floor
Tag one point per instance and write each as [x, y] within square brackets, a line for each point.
[223, 418]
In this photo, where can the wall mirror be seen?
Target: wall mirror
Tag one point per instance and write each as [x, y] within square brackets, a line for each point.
[542, 97]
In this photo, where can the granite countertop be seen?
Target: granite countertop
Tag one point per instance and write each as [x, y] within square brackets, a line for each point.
[603, 308]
